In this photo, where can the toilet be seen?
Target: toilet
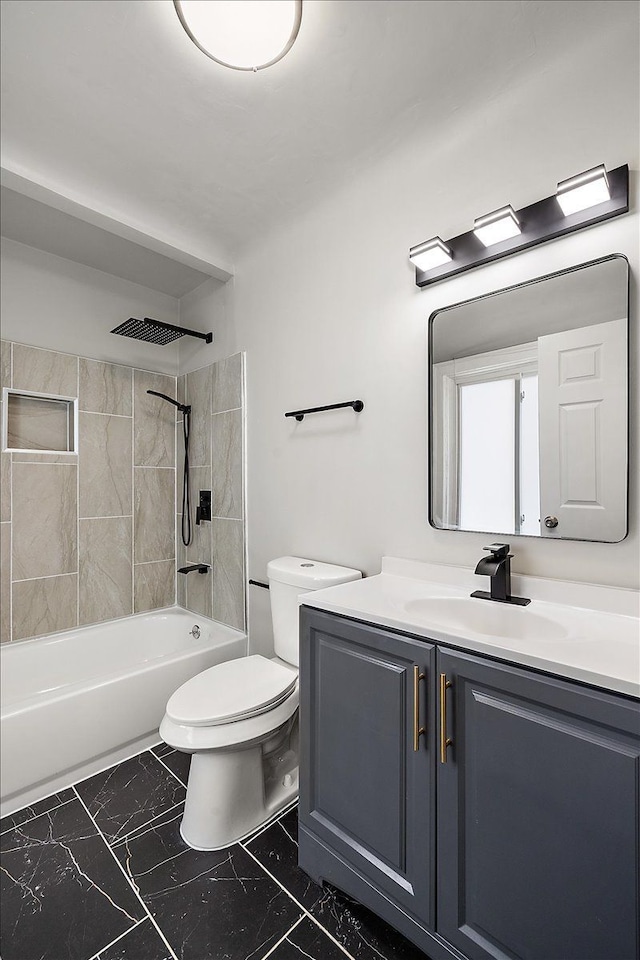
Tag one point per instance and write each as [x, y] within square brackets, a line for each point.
[239, 721]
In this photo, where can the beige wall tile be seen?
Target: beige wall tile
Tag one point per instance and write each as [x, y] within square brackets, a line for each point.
[199, 593]
[154, 420]
[154, 585]
[227, 384]
[44, 606]
[5, 363]
[154, 515]
[228, 572]
[45, 371]
[105, 387]
[104, 555]
[35, 457]
[45, 514]
[200, 547]
[181, 559]
[226, 446]
[5, 582]
[199, 397]
[5, 485]
[105, 466]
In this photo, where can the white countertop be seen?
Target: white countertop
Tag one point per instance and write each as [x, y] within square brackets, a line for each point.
[598, 626]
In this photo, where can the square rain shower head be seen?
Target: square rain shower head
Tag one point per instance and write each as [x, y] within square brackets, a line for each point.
[155, 331]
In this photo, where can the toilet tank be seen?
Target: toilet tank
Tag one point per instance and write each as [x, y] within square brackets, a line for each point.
[288, 578]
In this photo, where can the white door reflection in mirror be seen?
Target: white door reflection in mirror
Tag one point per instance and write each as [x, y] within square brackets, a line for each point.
[583, 462]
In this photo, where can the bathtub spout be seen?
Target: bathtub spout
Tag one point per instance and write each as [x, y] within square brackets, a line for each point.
[200, 567]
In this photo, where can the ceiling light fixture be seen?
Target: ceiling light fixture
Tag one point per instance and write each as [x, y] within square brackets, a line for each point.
[585, 190]
[587, 199]
[430, 254]
[241, 34]
[499, 225]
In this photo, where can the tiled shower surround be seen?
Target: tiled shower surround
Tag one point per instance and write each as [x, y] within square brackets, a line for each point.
[90, 536]
[216, 454]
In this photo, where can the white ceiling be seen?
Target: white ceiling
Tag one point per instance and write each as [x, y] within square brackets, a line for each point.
[110, 103]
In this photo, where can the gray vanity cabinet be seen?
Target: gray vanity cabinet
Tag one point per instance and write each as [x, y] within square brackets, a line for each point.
[366, 792]
[535, 780]
[537, 816]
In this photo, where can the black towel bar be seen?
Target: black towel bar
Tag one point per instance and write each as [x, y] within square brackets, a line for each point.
[357, 405]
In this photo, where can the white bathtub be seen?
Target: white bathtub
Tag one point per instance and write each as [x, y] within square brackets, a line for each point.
[74, 703]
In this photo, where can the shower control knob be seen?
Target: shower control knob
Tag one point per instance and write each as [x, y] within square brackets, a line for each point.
[551, 522]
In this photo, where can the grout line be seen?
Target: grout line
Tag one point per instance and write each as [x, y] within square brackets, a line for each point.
[142, 563]
[265, 826]
[145, 827]
[23, 823]
[283, 938]
[160, 760]
[99, 413]
[133, 492]
[126, 876]
[50, 576]
[217, 413]
[97, 955]
[297, 902]
[76, 427]
[124, 516]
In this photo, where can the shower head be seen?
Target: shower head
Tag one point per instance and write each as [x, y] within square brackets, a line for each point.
[155, 331]
[182, 407]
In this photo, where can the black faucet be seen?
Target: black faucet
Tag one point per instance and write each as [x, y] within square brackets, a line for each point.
[498, 567]
[200, 567]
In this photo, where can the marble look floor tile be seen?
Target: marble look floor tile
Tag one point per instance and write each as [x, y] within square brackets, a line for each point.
[63, 896]
[162, 749]
[277, 848]
[43, 806]
[130, 794]
[178, 763]
[208, 904]
[308, 941]
[141, 943]
[105, 387]
[363, 935]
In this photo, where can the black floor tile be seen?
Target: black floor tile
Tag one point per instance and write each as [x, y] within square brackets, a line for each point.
[130, 794]
[277, 848]
[28, 813]
[307, 940]
[361, 933]
[215, 904]
[161, 749]
[177, 762]
[143, 943]
[63, 896]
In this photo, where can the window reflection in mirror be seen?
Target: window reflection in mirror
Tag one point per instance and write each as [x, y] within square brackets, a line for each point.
[528, 408]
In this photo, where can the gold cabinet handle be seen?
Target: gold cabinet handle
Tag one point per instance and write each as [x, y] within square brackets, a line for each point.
[418, 731]
[444, 740]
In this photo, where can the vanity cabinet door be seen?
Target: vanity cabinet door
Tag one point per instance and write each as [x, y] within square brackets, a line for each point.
[366, 793]
[538, 816]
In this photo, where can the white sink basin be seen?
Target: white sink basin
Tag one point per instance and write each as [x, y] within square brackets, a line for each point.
[461, 615]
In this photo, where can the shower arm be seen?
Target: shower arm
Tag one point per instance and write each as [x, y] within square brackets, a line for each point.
[182, 407]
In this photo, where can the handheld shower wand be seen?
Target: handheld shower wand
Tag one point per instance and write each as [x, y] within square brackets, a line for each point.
[185, 409]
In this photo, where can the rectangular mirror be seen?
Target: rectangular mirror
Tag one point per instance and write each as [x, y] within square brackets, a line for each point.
[528, 408]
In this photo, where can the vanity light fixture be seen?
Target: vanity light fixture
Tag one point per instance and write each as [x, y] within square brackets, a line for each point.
[579, 202]
[494, 227]
[586, 190]
[431, 253]
[241, 34]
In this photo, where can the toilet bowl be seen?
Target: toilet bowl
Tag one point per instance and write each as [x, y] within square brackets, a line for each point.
[239, 720]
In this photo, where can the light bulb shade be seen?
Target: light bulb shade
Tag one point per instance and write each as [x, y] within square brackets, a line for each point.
[241, 34]
[499, 225]
[430, 254]
[584, 191]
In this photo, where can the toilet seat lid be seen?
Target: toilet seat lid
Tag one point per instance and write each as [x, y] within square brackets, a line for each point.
[235, 690]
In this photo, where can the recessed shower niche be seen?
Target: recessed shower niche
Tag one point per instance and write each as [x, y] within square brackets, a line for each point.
[39, 422]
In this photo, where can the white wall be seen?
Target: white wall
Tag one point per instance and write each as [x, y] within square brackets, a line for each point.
[48, 301]
[327, 310]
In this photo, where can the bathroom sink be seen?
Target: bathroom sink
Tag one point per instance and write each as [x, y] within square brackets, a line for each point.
[461, 615]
